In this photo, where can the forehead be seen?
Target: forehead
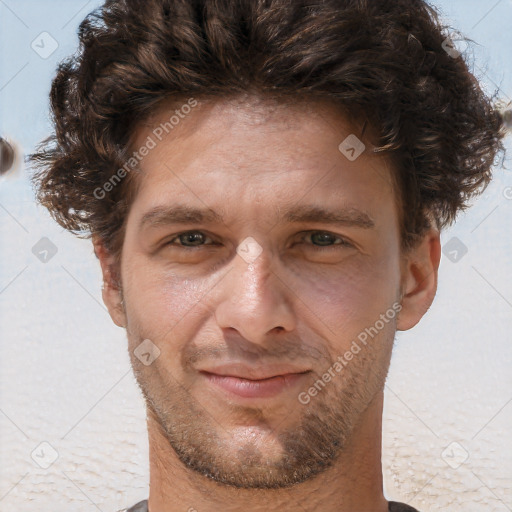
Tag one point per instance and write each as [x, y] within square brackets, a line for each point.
[253, 150]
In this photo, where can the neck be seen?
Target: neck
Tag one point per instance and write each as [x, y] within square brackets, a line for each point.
[354, 482]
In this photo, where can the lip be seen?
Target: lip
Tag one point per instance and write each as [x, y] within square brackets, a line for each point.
[244, 371]
[243, 387]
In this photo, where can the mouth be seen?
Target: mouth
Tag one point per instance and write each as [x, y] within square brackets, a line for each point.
[241, 386]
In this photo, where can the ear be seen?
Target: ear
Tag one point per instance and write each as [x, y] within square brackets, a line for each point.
[111, 290]
[419, 280]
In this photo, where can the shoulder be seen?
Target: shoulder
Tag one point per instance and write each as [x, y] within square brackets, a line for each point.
[142, 506]
[394, 506]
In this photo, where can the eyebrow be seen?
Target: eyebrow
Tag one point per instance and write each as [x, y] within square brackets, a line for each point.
[182, 214]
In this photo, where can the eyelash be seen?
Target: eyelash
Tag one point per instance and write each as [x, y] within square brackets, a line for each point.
[343, 243]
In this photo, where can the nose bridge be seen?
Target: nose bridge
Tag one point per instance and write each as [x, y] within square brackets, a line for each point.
[254, 300]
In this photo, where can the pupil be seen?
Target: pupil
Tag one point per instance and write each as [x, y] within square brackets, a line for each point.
[193, 237]
[323, 238]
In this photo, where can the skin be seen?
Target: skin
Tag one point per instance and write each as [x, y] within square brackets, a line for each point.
[250, 160]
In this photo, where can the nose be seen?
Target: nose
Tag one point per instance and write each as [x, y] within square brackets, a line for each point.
[255, 301]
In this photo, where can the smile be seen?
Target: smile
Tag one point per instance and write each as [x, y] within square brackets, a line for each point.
[254, 388]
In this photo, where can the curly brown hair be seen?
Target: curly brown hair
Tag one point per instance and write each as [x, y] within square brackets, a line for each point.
[383, 62]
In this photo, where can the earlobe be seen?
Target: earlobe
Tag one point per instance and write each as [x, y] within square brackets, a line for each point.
[111, 289]
[419, 280]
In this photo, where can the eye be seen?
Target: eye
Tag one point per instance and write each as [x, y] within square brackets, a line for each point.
[319, 240]
[194, 238]
[323, 240]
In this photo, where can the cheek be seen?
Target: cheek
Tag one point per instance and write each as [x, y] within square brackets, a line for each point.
[162, 305]
[341, 299]
[350, 297]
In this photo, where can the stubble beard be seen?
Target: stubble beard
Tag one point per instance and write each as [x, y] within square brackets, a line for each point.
[305, 450]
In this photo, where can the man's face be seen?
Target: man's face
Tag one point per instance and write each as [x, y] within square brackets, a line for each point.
[218, 315]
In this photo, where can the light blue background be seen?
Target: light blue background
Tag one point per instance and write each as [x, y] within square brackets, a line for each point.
[65, 373]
